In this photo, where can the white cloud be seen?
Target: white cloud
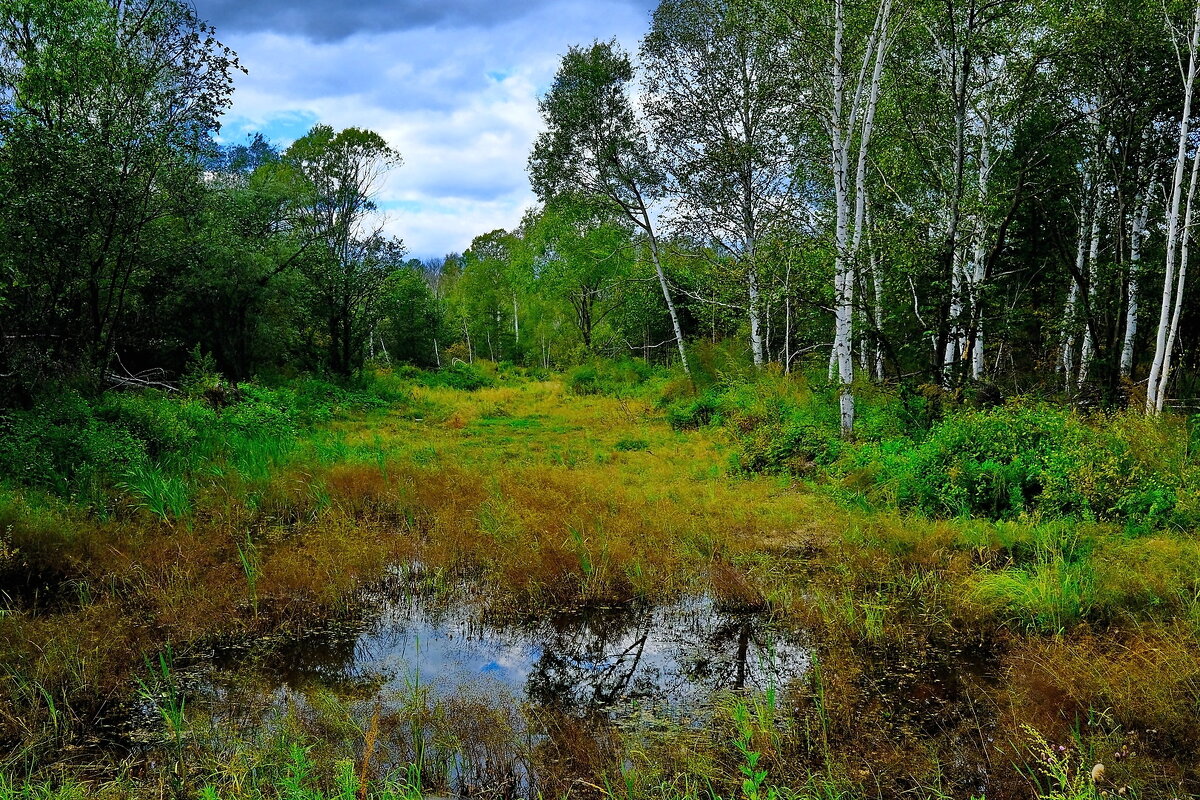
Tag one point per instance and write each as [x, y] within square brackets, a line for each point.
[460, 104]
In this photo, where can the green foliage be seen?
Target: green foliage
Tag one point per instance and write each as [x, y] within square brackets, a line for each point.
[693, 413]
[1019, 460]
[607, 377]
[1022, 459]
[459, 375]
[61, 445]
[413, 315]
[153, 446]
[165, 496]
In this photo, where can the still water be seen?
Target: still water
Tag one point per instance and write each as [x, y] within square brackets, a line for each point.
[673, 657]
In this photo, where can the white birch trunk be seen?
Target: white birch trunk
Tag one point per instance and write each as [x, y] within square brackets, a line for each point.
[842, 130]
[1085, 352]
[1155, 385]
[979, 254]
[1067, 361]
[1180, 284]
[843, 295]
[1133, 286]
[756, 335]
[954, 339]
[877, 291]
[666, 290]
[787, 318]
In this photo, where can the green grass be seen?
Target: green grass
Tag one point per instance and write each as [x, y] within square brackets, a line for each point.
[540, 498]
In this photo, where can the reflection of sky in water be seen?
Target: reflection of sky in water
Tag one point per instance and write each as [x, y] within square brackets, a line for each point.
[665, 661]
[675, 655]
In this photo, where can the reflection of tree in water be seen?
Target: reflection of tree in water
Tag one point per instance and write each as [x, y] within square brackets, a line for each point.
[678, 656]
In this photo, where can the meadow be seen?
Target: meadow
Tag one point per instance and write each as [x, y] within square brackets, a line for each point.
[998, 598]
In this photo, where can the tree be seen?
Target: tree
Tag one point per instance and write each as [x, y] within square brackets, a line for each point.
[412, 316]
[489, 287]
[596, 143]
[718, 84]
[581, 254]
[1179, 217]
[240, 290]
[340, 174]
[105, 109]
[842, 46]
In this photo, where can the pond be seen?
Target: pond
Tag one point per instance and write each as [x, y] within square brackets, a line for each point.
[674, 658]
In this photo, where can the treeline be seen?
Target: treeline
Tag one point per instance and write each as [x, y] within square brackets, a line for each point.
[131, 241]
[937, 192]
[955, 194]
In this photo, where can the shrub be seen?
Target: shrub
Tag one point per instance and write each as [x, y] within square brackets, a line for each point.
[459, 375]
[617, 378]
[62, 446]
[163, 424]
[781, 424]
[1015, 460]
[694, 413]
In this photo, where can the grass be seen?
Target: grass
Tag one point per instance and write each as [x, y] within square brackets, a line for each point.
[542, 499]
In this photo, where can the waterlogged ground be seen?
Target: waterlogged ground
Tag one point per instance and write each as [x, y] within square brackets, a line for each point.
[672, 659]
[522, 592]
[583, 577]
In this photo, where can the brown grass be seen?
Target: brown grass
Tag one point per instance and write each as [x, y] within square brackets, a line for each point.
[523, 492]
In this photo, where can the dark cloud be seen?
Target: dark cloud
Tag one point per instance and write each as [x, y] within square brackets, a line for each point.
[332, 20]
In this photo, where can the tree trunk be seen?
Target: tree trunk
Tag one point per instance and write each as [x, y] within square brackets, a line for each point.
[1134, 284]
[756, 335]
[1155, 386]
[843, 128]
[1180, 283]
[666, 290]
[1085, 352]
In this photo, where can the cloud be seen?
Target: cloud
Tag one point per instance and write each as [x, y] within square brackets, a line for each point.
[330, 20]
[455, 93]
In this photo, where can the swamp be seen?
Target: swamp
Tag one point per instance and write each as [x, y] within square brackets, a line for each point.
[599, 400]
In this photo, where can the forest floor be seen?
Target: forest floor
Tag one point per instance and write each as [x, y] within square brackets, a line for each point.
[523, 506]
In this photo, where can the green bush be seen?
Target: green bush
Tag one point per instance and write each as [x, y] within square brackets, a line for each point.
[147, 444]
[1016, 460]
[602, 376]
[459, 375]
[62, 446]
[693, 413]
[165, 425]
[912, 450]
[781, 424]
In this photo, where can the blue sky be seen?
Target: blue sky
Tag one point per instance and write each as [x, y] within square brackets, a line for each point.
[451, 84]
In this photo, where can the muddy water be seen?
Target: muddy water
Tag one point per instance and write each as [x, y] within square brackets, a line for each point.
[672, 658]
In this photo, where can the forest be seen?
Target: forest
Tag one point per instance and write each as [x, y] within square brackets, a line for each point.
[829, 428]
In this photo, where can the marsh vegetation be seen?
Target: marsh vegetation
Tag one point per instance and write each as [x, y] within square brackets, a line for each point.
[572, 586]
[809, 438]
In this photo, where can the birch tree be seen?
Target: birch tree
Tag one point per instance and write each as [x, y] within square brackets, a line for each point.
[1137, 236]
[1173, 280]
[595, 142]
[844, 97]
[717, 95]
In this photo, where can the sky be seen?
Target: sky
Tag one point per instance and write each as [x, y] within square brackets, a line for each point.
[452, 84]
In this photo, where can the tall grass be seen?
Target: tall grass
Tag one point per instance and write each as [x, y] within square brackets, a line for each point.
[165, 496]
[541, 500]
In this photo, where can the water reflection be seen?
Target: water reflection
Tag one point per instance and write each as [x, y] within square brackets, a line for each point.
[673, 657]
